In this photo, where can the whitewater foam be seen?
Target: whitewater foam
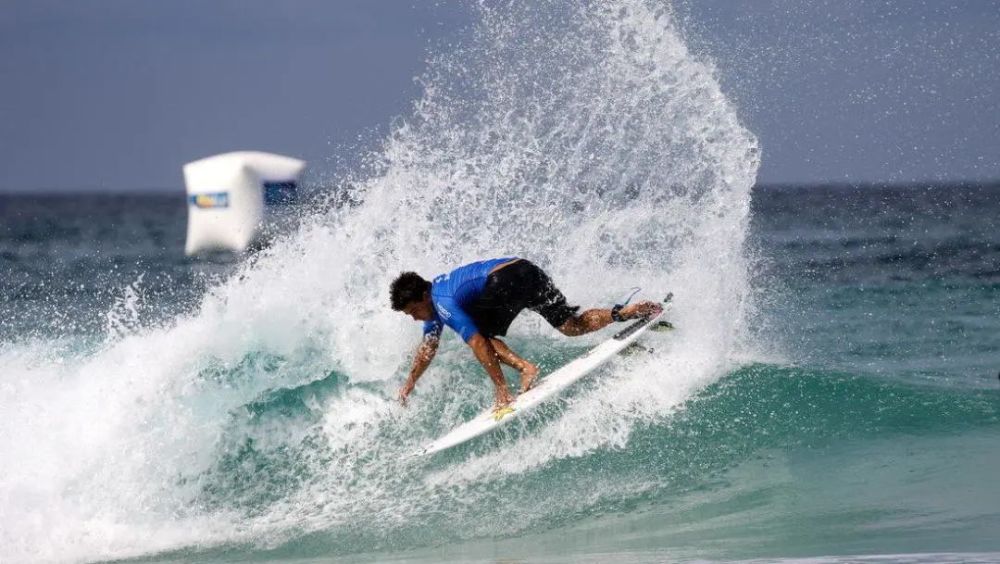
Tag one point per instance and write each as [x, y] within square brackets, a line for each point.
[585, 138]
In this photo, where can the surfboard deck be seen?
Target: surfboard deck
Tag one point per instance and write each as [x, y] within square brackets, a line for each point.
[547, 387]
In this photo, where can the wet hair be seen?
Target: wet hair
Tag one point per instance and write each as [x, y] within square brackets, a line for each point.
[406, 288]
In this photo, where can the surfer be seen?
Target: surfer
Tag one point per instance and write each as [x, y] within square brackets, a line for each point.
[479, 301]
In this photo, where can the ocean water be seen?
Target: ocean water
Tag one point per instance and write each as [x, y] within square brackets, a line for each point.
[830, 391]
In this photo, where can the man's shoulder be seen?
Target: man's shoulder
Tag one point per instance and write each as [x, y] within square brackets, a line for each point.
[443, 285]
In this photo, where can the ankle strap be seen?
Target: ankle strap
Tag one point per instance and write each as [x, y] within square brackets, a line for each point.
[616, 312]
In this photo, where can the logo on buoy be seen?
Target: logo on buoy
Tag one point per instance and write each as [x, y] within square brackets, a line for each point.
[209, 200]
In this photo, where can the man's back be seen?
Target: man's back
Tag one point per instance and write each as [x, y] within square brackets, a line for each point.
[452, 293]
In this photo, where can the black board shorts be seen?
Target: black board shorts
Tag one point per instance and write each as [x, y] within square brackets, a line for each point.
[518, 286]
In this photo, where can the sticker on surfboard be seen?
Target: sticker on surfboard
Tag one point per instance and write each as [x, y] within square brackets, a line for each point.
[499, 414]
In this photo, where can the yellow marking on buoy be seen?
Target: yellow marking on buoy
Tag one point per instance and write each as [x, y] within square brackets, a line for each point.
[502, 412]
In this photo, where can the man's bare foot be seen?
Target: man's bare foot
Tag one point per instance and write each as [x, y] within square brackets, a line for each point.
[528, 376]
[641, 309]
[503, 399]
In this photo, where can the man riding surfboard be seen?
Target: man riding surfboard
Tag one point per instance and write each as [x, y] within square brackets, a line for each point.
[479, 301]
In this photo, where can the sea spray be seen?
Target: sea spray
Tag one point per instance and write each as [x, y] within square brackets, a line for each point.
[588, 140]
[584, 137]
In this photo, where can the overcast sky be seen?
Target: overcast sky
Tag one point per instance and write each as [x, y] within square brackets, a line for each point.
[861, 90]
[118, 94]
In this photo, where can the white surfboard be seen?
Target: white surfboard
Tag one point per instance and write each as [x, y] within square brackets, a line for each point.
[546, 388]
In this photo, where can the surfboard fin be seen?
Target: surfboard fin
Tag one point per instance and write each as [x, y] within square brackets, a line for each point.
[635, 348]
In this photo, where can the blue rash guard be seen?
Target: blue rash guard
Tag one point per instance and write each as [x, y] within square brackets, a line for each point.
[452, 294]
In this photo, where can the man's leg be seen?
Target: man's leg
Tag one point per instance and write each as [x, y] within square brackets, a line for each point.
[595, 319]
[546, 299]
[529, 372]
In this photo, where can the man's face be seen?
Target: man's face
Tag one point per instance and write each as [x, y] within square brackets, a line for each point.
[422, 310]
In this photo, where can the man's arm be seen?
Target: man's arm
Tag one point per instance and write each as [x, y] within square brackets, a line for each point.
[455, 316]
[421, 360]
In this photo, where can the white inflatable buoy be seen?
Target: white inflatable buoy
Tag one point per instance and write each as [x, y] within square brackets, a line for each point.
[227, 196]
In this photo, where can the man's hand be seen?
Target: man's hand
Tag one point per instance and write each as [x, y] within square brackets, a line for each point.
[487, 356]
[404, 392]
[503, 398]
[421, 360]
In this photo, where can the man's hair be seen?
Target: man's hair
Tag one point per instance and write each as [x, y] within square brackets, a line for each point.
[407, 287]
